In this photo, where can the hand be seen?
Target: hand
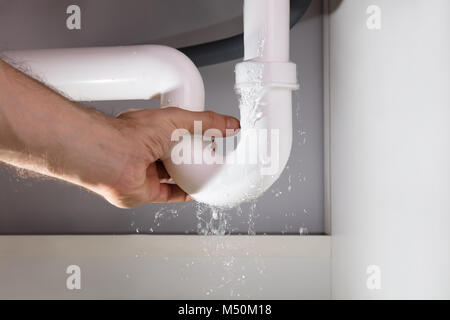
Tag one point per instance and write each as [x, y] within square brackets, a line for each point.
[147, 134]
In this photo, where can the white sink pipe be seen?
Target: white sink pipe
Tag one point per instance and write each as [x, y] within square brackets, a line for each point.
[264, 80]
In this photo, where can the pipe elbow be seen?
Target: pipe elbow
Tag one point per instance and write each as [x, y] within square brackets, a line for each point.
[215, 175]
[189, 91]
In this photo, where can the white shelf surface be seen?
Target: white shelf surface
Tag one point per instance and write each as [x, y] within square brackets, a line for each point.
[166, 267]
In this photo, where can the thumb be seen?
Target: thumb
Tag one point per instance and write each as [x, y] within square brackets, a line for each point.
[185, 119]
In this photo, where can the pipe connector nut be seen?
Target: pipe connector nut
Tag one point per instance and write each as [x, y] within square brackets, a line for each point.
[266, 74]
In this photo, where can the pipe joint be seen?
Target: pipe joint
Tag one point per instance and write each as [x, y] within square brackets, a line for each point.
[266, 74]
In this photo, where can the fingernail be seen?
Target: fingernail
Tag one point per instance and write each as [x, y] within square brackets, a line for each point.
[232, 132]
[232, 123]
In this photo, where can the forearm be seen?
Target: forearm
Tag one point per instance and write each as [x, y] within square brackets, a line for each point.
[42, 131]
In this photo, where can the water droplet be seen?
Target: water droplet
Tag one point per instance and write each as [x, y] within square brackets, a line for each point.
[304, 231]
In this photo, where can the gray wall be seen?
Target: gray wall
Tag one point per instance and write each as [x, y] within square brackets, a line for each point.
[38, 205]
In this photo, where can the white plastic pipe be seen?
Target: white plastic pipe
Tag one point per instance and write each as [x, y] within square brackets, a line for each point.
[266, 30]
[117, 73]
[265, 82]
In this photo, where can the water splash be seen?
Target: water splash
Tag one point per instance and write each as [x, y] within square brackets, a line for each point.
[250, 97]
[164, 214]
[261, 43]
[212, 220]
[303, 231]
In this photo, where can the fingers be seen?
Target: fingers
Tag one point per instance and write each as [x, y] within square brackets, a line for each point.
[152, 129]
[170, 193]
[124, 113]
[157, 192]
[209, 120]
[163, 175]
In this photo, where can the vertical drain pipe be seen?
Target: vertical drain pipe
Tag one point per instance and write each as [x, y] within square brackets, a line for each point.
[266, 30]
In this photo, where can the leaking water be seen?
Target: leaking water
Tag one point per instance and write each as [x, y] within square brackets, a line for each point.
[250, 97]
[214, 221]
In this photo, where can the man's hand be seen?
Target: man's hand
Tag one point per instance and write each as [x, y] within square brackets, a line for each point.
[143, 177]
[117, 158]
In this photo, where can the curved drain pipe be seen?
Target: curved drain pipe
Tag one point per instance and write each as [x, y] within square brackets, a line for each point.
[264, 81]
[117, 73]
